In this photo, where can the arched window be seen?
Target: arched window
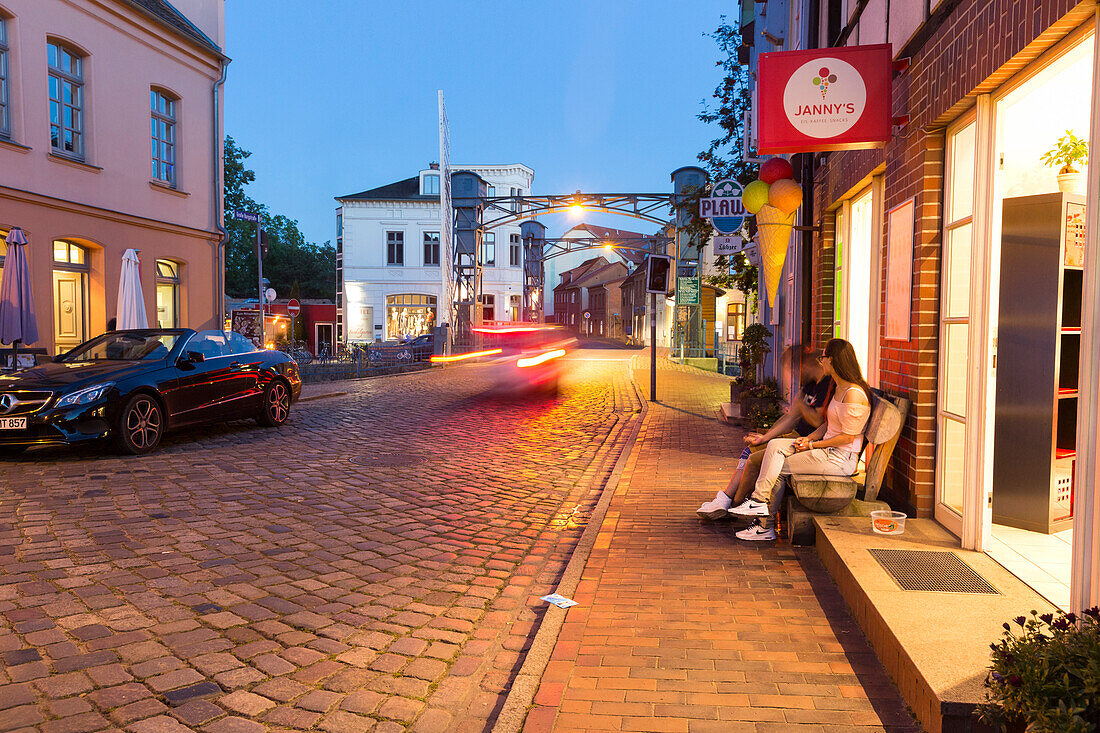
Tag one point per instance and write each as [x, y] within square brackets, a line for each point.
[66, 79]
[162, 125]
[168, 294]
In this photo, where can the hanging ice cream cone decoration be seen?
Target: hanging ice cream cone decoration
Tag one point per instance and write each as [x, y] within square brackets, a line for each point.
[775, 234]
[774, 199]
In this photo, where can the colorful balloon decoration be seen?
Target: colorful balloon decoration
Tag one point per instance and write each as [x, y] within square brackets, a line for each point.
[754, 196]
[774, 198]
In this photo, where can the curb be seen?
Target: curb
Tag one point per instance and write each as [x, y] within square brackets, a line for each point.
[521, 695]
[321, 396]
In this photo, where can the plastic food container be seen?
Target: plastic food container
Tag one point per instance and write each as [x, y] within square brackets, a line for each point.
[884, 522]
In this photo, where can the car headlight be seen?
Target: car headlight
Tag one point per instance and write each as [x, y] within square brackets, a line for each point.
[85, 396]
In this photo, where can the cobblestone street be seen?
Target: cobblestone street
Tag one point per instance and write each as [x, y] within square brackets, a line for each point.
[375, 564]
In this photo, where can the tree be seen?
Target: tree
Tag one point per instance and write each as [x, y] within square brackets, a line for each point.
[723, 158]
[291, 261]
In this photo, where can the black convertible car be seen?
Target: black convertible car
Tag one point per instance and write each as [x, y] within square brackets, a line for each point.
[133, 386]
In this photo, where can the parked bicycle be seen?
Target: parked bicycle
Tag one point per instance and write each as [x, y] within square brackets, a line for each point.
[297, 351]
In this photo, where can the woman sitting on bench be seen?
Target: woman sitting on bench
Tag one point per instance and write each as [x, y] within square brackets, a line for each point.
[807, 412]
[832, 449]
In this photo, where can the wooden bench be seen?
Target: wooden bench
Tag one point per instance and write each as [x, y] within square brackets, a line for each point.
[848, 496]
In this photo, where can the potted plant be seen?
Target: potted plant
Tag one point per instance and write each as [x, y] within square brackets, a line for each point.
[754, 349]
[763, 396]
[1068, 153]
[1045, 674]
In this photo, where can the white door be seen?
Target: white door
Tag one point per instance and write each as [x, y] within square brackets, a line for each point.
[951, 415]
[69, 310]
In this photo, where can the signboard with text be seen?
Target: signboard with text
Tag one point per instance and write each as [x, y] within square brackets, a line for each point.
[825, 99]
[687, 291]
[241, 215]
[723, 206]
[727, 245]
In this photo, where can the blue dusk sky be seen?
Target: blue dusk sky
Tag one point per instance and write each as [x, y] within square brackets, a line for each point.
[338, 96]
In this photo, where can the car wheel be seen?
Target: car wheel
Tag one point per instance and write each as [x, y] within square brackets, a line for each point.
[141, 425]
[276, 408]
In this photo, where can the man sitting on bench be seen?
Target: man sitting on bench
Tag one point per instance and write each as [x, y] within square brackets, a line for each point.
[806, 413]
[831, 450]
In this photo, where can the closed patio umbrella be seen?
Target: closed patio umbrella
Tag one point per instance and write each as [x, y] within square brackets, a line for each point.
[131, 305]
[17, 320]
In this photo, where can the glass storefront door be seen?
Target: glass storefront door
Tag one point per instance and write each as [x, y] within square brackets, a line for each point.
[994, 154]
[954, 327]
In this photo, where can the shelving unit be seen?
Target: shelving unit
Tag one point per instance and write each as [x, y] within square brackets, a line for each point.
[1038, 352]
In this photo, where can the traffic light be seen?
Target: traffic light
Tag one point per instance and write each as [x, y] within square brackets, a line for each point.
[263, 243]
[656, 278]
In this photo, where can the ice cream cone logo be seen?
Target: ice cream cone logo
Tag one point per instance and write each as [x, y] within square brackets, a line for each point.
[823, 80]
[775, 234]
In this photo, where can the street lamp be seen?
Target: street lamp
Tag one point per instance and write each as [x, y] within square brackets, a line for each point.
[575, 208]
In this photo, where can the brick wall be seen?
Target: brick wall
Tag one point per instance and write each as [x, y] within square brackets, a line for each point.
[979, 45]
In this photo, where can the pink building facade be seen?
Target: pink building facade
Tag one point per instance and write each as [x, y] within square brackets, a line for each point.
[110, 139]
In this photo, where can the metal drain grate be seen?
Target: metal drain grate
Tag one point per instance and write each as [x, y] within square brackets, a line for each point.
[388, 460]
[931, 572]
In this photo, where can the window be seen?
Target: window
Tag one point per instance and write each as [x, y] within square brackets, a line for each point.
[491, 191]
[488, 307]
[66, 80]
[489, 250]
[955, 308]
[168, 294]
[339, 224]
[431, 248]
[163, 130]
[516, 206]
[409, 315]
[5, 115]
[515, 254]
[735, 321]
[431, 184]
[395, 248]
[69, 253]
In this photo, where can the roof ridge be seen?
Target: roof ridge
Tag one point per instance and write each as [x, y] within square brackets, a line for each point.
[172, 18]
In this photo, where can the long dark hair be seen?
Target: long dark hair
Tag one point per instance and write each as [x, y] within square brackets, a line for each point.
[842, 359]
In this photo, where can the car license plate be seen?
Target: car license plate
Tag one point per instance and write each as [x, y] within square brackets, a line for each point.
[13, 423]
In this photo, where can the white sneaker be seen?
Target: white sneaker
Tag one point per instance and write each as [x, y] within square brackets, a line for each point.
[750, 508]
[712, 510]
[757, 533]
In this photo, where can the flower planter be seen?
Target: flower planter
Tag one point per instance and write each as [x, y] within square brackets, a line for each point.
[762, 403]
[736, 388]
[1073, 182]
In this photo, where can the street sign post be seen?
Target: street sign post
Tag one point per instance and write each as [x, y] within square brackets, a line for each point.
[293, 308]
[656, 283]
[241, 215]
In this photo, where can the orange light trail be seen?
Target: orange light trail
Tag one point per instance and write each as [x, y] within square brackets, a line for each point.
[536, 360]
[509, 329]
[469, 355]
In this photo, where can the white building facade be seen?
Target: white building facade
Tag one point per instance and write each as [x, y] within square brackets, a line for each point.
[389, 257]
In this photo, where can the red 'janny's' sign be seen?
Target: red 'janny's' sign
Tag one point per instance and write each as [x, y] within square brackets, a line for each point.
[825, 99]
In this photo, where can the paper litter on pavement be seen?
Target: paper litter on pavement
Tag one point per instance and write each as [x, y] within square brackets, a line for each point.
[559, 601]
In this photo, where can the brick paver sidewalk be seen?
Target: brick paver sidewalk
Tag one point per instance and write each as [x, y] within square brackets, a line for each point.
[683, 627]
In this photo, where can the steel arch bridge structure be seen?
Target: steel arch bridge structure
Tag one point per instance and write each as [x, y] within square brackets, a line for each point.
[475, 213]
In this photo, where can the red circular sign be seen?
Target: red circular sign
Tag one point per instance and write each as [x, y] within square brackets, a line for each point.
[293, 307]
